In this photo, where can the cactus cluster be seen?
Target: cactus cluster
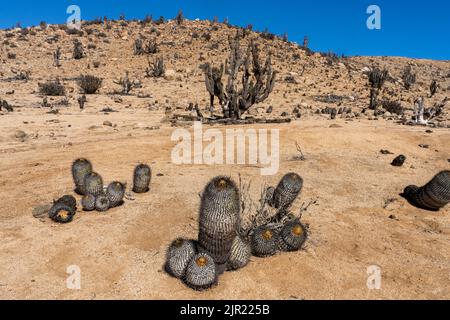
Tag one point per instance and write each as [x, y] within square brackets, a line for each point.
[222, 245]
[63, 209]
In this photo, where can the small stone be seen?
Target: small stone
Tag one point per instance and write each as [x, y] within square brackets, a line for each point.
[399, 161]
[20, 134]
[424, 146]
[107, 123]
[393, 217]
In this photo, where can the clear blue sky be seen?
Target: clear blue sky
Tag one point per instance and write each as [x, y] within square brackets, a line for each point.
[419, 29]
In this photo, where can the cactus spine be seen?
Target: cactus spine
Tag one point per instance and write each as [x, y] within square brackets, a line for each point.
[264, 241]
[292, 236]
[93, 184]
[241, 252]
[115, 193]
[219, 219]
[68, 200]
[287, 191]
[88, 202]
[178, 255]
[102, 203]
[201, 272]
[80, 168]
[61, 212]
[141, 178]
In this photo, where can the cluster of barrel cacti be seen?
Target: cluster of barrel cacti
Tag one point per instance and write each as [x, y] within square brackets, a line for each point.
[95, 195]
[222, 246]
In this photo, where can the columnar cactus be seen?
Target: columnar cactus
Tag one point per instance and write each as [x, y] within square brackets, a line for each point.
[80, 168]
[141, 178]
[115, 193]
[241, 252]
[292, 236]
[264, 241]
[93, 184]
[219, 219]
[61, 212]
[178, 255]
[287, 191]
[201, 272]
[88, 202]
[102, 203]
[434, 195]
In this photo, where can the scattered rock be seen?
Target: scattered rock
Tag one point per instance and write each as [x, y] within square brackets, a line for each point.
[20, 134]
[424, 146]
[385, 152]
[398, 161]
[334, 125]
[41, 211]
[393, 217]
[107, 123]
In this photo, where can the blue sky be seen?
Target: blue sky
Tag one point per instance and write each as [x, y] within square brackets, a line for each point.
[408, 28]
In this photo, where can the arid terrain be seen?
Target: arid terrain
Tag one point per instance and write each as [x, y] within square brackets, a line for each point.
[358, 220]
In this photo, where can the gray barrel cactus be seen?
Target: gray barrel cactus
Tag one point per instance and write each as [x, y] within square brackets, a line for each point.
[287, 191]
[102, 203]
[93, 184]
[61, 212]
[80, 168]
[264, 241]
[141, 178]
[178, 255]
[201, 272]
[432, 196]
[88, 202]
[292, 236]
[115, 193]
[241, 252]
[219, 219]
[68, 200]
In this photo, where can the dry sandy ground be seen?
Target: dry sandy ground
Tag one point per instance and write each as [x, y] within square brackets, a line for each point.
[121, 253]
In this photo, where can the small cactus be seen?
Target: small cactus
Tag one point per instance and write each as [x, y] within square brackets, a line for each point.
[61, 212]
[264, 241]
[141, 178]
[68, 200]
[80, 169]
[88, 202]
[115, 193]
[241, 252]
[178, 255]
[102, 203]
[292, 236]
[201, 272]
[219, 219]
[432, 196]
[93, 184]
[287, 191]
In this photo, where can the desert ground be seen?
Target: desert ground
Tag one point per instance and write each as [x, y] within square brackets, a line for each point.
[359, 218]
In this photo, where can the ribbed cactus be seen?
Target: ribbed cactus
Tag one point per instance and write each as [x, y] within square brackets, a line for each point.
[287, 191]
[88, 202]
[80, 168]
[141, 178]
[219, 219]
[432, 196]
[292, 236]
[264, 241]
[102, 203]
[241, 252]
[68, 200]
[178, 255]
[201, 272]
[61, 212]
[115, 193]
[93, 184]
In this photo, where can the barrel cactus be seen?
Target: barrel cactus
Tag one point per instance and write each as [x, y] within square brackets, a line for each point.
[241, 252]
[68, 200]
[115, 193]
[219, 219]
[178, 255]
[292, 236]
[102, 203]
[201, 272]
[61, 212]
[88, 202]
[80, 168]
[141, 178]
[432, 196]
[264, 241]
[93, 184]
[287, 191]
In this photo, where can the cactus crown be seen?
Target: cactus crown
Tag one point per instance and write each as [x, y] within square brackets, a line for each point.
[178, 243]
[63, 214]
[297, 230]
[221, 183]
[201, 261]
[267, 235]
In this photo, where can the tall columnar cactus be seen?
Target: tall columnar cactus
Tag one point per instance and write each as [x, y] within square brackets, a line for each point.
[88, 202]
[219, 219]
[432, 196]
[80, 168]
[287, 191]
[292, 236]
[141, 178]
[264, 241]
[377, 79]
[61, 212]
[115, 193]
[178, 255]
[93, 184]
[241, 252]
[201, 272]
[102, 203]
